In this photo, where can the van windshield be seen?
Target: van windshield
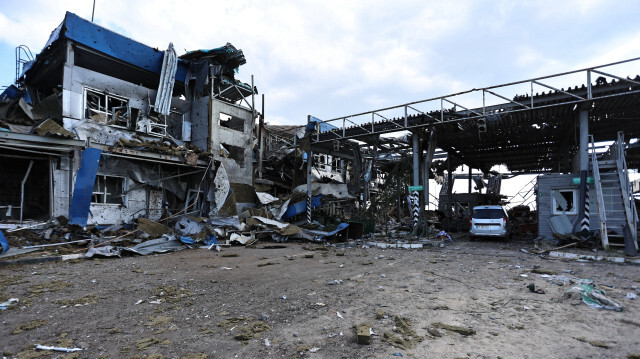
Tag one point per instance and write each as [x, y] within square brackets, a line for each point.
[488, 213]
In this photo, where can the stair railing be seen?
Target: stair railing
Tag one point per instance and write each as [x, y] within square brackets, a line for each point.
[629, 207]
[602, 213]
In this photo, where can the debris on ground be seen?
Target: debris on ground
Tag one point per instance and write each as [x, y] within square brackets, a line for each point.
[407, 338]
[57, 349]
[593, 297]
[252, 330]
[363, 333]
[454, 328]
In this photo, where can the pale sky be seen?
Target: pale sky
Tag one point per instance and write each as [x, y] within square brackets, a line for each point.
[334, 58]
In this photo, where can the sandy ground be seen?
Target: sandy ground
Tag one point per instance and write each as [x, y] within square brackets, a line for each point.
[306, 301]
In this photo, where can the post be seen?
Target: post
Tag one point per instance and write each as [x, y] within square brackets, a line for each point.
[470, 178]
[428, 158]
[584, 168]
[309, 159]
[449, 189]
[416, 159]
[415, 198]
[426, 164]
[253, 106]
[261, 140]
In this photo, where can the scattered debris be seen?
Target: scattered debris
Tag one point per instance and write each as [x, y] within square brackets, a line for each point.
[532, 288]
[57, 349]
[152, 228]
[5, 305]
[408, 337]
[363, 333]
[251, 331]
[454, 328]
[544, 271]
[594, 297]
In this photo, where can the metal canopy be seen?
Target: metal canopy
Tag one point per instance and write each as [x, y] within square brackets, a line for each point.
[526, 133]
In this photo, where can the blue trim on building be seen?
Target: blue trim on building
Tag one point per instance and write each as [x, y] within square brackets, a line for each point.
[113, 44]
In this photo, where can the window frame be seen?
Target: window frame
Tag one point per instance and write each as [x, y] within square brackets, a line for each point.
[554, 204]
[105, 194]
[109, 116]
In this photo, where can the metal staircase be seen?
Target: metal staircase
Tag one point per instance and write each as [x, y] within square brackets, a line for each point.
[616, 207]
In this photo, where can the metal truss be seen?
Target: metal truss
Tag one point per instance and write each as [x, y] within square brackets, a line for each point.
[408, 117]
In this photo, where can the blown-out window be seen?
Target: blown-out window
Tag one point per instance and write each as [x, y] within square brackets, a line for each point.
[108, 190]
[565, 201]
[231, 122]
[106, 108]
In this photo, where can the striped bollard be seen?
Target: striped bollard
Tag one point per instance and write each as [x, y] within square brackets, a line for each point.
[308, 209]
[585, 223]
[416, 208]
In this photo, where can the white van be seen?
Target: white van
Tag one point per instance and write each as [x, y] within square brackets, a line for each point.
[488, 221]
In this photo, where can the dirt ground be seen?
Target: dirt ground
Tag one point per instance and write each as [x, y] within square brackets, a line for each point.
[305, 300]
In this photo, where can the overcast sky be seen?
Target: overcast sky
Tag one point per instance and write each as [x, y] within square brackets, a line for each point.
[335, 58]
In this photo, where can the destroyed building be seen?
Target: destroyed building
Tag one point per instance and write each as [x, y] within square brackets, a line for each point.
[102, 129]
[581, 141]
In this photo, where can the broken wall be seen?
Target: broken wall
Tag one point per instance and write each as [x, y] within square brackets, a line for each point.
[548, 207]
[200, 123]
[77, 79]
[113, 180]
[233, 148]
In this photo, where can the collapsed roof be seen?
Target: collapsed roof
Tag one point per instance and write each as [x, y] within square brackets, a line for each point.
[99, 49]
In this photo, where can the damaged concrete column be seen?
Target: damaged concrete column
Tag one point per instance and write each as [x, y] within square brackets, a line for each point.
[416, 159]
[428, 158]
[583, 224]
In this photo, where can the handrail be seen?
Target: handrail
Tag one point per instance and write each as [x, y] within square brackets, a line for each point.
[629, 207]
[602, 212]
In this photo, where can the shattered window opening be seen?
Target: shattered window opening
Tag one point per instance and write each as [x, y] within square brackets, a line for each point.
[231, 122]
[151, 124]
[106, 108]
[194, 200]
[570, 196]
[236, 153]
[108, 190]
